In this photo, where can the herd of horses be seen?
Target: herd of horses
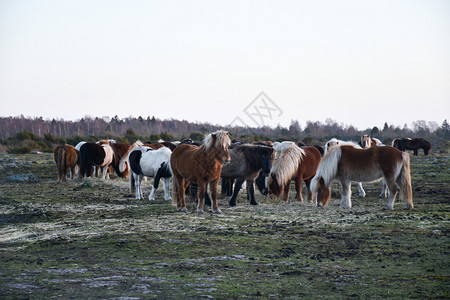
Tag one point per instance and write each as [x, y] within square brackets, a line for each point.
[195, 166]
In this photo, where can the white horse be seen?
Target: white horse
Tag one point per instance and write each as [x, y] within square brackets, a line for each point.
[280, 147]
[145, 161]
[335, 142]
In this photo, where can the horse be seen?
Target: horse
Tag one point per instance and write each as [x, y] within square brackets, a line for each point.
[367, 141]
[145, 161]
[346, 164]
[295, 163]
[122, 150]
[201, 165]
[247, 161]
[66, 157]
[412, 144]
[335, 142]
[100, 155]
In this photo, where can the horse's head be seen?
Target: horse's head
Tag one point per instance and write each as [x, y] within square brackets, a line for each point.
[323, 193]
[218, 143]
[273, 186]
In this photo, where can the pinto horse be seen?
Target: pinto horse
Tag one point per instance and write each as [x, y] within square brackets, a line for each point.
[346, 164]
[367, 142]
[247, 161]
[145, 161]
[102, 156]
[295, 163]
[201, 165]
[66, 157]
[412, 144]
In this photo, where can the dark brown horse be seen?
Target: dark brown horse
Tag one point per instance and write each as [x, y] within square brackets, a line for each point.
[201, 165]
[412, 144]
[247, 161]
[66, 157]
[347, 164]
[295, 163]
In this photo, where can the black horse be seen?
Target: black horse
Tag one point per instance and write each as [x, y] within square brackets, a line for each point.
[247, 162]
[412, 144]
[100, 155]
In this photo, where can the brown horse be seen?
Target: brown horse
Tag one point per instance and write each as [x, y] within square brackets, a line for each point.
[201, 165]
[412, 144]
[346, 164]
[66, 157]
[295, 163]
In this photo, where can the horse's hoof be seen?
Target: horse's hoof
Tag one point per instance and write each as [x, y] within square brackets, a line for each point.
[151, 199]
[387, 208]
[253, 203]
[217, 212]
[232, 204]
[200, 211]
[183, 210]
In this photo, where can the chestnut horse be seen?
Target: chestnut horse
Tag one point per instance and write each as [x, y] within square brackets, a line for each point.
[66, 157]
[201, 165]
[346, 164]
[295, 163]
[412, 144]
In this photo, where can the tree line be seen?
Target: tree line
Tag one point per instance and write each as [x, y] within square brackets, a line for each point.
[16, 132]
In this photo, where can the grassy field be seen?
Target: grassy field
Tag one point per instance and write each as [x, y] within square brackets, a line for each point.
[91, 239]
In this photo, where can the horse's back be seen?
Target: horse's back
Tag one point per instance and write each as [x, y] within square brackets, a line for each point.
[181, 159]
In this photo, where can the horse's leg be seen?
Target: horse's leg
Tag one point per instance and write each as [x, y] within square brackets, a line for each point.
[392, 187]
[251, 192]
[298, 188]
[137, 184]
[201, 196]
[361, 191]
[346, 201]
[237, 187]
[416, 152]
[213, 188]
[167, 189]
[287, 187]
[180, 189]
[309, 194]
[384, 190]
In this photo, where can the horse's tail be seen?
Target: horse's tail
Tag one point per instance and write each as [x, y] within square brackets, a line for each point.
[404, 181]
[175, 194]
[60, 158]
[116, 162]
[132, 183]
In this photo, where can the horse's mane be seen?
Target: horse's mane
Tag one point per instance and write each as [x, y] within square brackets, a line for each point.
[222, 140]
[287, 164]
[254, 153]
[335, 142]
[328, 168]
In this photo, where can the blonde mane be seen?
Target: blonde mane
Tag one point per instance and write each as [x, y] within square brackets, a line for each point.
[328, 168]
[222, 140]
[286, 166]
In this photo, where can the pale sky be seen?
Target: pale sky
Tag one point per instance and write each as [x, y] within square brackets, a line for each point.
[359, 63]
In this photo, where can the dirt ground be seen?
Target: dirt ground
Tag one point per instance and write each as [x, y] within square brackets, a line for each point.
[91, 239]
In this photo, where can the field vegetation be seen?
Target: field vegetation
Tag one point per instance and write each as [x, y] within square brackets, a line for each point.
[90, 238]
